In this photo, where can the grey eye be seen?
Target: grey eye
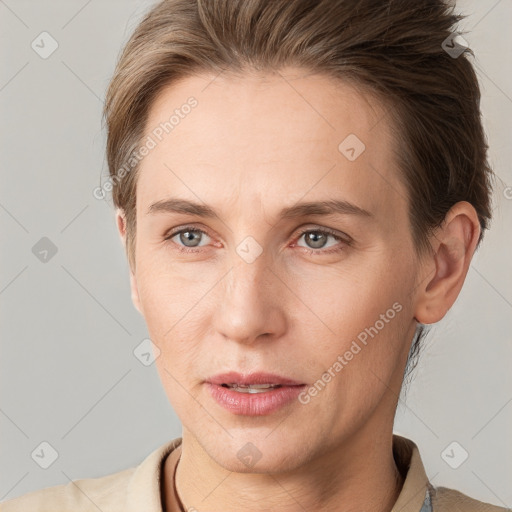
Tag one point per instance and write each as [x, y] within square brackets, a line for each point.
[315, 239]
[190, 238]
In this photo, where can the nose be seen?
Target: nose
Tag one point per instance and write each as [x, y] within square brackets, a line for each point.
[251, 305]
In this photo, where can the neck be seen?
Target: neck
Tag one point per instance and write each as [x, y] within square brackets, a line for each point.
[356, 475]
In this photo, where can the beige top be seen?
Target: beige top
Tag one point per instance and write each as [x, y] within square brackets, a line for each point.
[139, 489]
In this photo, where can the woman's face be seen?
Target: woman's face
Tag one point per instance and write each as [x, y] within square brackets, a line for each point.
[332, 309]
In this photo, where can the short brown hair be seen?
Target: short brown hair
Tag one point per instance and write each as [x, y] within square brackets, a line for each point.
[395, 49]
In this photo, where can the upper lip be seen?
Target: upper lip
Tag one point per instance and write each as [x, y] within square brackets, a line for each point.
[252, 378]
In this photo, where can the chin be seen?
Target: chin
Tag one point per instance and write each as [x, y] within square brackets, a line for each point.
[249, 453]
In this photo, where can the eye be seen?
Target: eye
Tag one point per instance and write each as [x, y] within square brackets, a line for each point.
[317, 239]
[187, 238]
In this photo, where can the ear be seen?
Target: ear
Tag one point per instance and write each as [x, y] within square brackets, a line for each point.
[453, 245]
[121, 226]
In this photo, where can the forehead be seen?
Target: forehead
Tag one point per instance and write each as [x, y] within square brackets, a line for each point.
[289, 133]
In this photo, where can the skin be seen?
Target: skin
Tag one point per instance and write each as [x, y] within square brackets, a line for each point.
[254, 145]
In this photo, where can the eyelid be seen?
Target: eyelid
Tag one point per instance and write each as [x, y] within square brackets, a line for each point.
[322, 229]
[174, 231]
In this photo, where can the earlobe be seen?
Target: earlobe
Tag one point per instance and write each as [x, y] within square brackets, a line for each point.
[453, 244]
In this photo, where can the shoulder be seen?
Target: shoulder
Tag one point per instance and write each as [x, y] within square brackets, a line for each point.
[87, 494]
[450, 500]
[129, 490]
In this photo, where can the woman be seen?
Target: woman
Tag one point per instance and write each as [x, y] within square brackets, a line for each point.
[300, 187]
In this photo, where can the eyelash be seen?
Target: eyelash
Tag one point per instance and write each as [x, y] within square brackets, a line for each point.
[324, 231]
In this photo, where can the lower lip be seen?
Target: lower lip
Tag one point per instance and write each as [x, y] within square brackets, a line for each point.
[254, 404]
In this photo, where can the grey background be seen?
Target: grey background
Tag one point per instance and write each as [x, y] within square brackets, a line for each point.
[68, 375]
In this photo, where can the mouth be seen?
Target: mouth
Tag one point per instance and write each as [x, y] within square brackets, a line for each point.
[251, 388]
[254, 394]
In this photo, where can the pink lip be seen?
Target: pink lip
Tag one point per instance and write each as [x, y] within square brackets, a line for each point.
[257, 404]
[252, 378]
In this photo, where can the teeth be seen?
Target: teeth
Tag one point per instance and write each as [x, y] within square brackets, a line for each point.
[251, 388]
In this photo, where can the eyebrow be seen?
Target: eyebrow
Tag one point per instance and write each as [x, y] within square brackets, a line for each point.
[333, 206]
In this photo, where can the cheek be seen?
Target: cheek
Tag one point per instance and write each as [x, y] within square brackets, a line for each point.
[358, 321]
[170, 295]
[347, 299]
[169, 330]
